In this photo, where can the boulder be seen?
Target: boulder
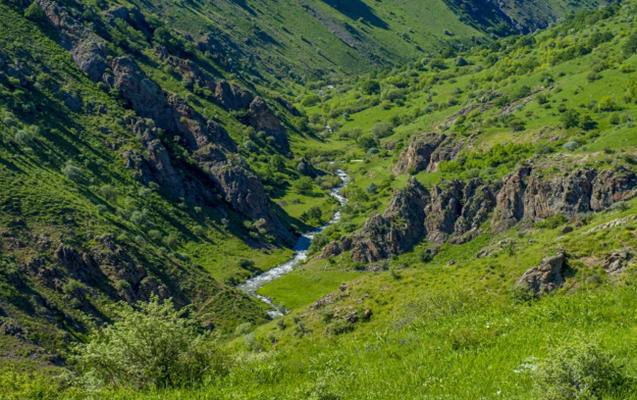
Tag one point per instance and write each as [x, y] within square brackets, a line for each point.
[546, 277]
[616, 261]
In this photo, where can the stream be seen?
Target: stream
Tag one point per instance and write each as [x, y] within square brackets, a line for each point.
[300, 253]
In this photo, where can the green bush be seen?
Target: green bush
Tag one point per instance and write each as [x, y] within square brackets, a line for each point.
[243, 329]
[552, 222]
[579, 371]
[310, 100]
[150, 346]
[522, 293]
[34, 12]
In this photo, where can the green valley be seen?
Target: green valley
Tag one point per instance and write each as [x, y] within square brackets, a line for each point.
[302, 199]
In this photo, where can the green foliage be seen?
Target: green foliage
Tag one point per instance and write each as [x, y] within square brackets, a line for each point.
[71, 171]
[522, 293]
[34, 12]
[370, 87]
[552, 222]
[243, 329]
[311, 100]
[304, 185]
[382, 129]
[581, 370]
[153, 346]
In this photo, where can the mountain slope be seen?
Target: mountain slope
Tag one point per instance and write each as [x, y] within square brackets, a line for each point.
[292, 38]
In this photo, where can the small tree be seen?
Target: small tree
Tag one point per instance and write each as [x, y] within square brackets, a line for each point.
[152, 346]
[372, 188]
[370, 87]
[71, 171]
[34, 12]
[304, 185]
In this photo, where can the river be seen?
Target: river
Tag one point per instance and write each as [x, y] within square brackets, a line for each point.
[300, 253]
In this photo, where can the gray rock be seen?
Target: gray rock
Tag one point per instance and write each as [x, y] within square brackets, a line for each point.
[546, 277]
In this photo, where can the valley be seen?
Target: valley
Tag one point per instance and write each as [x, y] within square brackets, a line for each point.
[318, 199]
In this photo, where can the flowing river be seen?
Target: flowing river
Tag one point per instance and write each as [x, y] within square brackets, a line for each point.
[300, 253]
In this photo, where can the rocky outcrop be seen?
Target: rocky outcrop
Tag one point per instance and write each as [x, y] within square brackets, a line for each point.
[478, 202]
[529, 195]
[241, 188]
[144, 96]
[262, 118]
[393, 232]
[88, 50]
[232, 97]
[425, 152]
[454, 211]
[546, 277]
[417, 155]
[448, 150]
[209, 143]
[616, 261]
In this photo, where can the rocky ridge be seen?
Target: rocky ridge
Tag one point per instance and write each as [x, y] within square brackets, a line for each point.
[455, 211]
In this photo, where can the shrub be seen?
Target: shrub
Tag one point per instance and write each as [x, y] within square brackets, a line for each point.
[72, 172]
[34, 12]
[522, 293]
[151, 346]
[579, 371]
[607, 103]
[109, 193]
[370, 87]
[372, 188]
[521, 92]
[310, 100]
[280, 323]
[552, 222]
[246, 264]
[570, 119]
[243, 329]
[620, 206]
[303, 185]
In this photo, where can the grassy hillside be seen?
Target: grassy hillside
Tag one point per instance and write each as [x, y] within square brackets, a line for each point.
[295, 39]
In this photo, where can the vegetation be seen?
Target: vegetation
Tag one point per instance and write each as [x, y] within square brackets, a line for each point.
[115, 285]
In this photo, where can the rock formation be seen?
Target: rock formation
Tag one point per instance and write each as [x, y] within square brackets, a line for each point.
[454, 211]
[88, 50]
[546, 277]
[425, 152]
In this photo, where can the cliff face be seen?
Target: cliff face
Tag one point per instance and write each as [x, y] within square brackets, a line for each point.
[425, 152]
[454, 211]
[528, 195]
[204, 138]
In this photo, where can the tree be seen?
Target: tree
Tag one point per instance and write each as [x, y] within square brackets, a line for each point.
[370, 87]
[570, 119]
[630, 47]
[109, 193]
[304, 185]
[631, 90]
[313, 214]
[367, 142]
[150, 346]
[607, 103]
[372, 188]
[310, 100]
[71, 171]
[34, 12]
[382, 129]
